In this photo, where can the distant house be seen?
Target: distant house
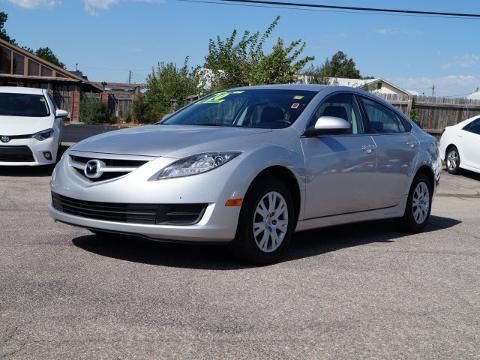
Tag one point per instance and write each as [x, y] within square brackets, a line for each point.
[19, 67]
[377, 85]
[120, 96]
[475, 95]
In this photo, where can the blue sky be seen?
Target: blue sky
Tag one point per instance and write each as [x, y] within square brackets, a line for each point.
[107, 38]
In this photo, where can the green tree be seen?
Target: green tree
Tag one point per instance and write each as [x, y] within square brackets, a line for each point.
[240, 62]
[3, 31]
[47, 54]
[168, 88]
[339, 65]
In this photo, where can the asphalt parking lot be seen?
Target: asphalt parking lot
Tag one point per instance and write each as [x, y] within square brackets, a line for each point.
[357, 291]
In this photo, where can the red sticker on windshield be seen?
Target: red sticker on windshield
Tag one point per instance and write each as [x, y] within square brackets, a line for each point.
[295, 105]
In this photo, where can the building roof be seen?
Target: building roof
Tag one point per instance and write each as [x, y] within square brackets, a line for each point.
[64, 75]
[475, 95]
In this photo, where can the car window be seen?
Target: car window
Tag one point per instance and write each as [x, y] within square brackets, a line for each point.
[343, 106]
[269, 109]
[473, 127]
[23, 105]
[381, 119]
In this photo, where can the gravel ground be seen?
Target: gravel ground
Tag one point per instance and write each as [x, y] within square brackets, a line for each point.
[357, 291]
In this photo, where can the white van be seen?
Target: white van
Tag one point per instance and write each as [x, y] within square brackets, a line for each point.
[30, 127]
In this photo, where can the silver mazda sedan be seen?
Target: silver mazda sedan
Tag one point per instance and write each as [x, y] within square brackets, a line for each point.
[250, 166]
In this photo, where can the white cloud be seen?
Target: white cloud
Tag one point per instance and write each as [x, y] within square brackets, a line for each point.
[94, 6]
[32, 4]
[449, 85]
[463, 61]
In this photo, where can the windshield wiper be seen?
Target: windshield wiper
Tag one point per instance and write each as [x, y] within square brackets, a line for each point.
[207, 124]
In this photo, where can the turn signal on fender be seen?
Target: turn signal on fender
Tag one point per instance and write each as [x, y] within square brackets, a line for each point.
[234, 202]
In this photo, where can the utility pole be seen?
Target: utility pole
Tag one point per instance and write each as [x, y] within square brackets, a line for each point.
[130, 74]
[433, 90]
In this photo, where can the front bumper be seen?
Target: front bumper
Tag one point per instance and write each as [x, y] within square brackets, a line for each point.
[37, 148]
[218, 223]
[207, 230]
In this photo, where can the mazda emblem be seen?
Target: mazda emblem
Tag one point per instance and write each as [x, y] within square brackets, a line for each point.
[93, 169]
[5, 139]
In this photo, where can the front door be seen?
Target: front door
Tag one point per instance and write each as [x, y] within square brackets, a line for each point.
[340, 168]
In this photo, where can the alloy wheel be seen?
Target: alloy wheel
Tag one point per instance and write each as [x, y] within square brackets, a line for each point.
[452, 160]
[270, 222]
[421, 203]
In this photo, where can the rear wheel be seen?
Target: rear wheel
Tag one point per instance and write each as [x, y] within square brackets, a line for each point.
[266, 223]
[419, 203]
[453, 160]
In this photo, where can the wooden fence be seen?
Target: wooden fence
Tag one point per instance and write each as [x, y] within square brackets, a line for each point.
[434, 113]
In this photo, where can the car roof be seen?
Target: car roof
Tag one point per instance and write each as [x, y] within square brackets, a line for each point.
[21, 90]
[298, 87]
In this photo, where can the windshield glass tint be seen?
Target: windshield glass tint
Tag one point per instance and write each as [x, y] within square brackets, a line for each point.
[269, 109]
[23, 105]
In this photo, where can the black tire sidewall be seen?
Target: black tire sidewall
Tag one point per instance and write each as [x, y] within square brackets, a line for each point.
[244, 244]
[409, 219]
[457, 168]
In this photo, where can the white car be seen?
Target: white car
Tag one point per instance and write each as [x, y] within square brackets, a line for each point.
[460, 146]
[30, 127]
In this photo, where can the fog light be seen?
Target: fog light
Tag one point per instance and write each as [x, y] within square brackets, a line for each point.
[47, 155]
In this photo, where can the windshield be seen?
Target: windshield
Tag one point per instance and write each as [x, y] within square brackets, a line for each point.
[268, 109]
[23, 105]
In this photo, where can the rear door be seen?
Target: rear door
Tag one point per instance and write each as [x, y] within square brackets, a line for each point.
[396, 152]
[470, 143]
[339, 168]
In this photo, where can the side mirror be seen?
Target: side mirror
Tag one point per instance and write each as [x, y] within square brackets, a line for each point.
[329, 125]
[61, 113]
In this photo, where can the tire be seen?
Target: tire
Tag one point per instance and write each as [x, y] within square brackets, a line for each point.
[419, 204]
[452, 160]
[265, 242]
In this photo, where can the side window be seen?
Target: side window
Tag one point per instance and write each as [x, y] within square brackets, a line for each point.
[473, 127]
[381, 119]
[343, 106]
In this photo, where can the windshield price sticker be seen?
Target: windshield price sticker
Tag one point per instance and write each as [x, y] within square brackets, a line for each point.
[219, 97]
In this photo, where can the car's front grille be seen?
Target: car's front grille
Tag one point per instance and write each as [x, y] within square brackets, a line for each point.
[111, 168]
[161, 214]
[16, 154]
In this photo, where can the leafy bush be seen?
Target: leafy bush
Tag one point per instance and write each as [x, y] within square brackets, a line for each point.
[93, 110]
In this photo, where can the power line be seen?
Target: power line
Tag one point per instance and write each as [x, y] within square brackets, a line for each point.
[353, 9]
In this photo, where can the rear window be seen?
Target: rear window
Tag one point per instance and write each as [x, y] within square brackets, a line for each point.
[23, 105]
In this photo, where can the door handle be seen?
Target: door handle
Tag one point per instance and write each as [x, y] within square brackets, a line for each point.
[368, 148]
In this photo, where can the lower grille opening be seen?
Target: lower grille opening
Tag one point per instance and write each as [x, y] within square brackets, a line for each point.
[16, 154]
[160, 214]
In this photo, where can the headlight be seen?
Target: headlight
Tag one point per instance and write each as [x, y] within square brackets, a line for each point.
[196, 164]
[43, 135]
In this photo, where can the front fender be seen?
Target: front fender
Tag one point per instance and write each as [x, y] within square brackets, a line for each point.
[254, 163]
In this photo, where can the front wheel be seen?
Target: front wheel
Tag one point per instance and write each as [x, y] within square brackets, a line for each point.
[419, 204]
[266, 223]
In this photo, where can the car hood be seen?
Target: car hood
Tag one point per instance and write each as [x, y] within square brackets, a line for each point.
[168, 140]
[22, 125]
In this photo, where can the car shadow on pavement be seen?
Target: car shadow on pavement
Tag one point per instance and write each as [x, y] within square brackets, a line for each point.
[217, 257]
[470, 174]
